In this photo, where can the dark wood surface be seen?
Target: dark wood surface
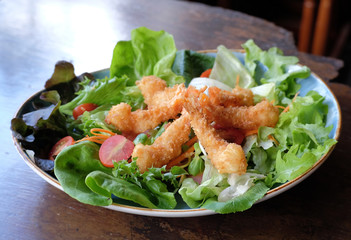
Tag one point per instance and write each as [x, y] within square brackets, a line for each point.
[34, 35]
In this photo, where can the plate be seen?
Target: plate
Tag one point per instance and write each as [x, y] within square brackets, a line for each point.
[313, 82]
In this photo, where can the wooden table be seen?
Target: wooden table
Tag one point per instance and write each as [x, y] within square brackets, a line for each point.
[34, 35]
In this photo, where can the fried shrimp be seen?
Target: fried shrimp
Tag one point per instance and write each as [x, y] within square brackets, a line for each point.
[226, 157]
[122, 117]
[155, 92]
[163, 104]
[242, 117]
[238, 97]
[149, 87]
[166, 147]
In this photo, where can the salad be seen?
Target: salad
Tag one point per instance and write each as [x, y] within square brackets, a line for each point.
[72, 132]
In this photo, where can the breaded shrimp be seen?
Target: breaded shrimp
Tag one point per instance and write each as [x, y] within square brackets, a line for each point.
[225, 157]
[122, 117]
[162, 105]
[242, 117]
[166, 147]
[238, 97]
[149, 86]
[155, 92]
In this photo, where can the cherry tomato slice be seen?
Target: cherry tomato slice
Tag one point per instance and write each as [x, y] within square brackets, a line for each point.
[59, 146]
[114, 149]
[79, 110]
[206, 73]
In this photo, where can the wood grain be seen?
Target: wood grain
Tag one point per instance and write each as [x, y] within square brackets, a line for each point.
[34, 35]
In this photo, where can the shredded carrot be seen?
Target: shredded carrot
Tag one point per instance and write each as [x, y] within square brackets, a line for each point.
[181, 179]
[237, 80]
[282, 107]
[273, 139]
[181, 157]
[293, 100]
[98, 137]
[250, 132]
[191, 141]
[286, 109]
[94, 130]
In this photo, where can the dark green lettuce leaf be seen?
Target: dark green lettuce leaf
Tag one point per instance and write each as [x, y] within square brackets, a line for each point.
[191, 64]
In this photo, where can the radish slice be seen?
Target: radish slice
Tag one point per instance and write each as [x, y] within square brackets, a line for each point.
[197, 178]
[114, 149]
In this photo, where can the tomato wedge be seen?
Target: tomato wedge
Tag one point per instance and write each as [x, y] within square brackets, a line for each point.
[206, 73]
[114, 149]
[59, 146]
[80, 109]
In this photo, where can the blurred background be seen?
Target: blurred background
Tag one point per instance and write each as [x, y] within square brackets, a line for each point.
[320, 27]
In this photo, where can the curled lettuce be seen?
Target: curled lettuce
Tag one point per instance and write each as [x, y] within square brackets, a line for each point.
[106, 92]
[272, 66]
[147, 53]
[302, 135]
[227, 67]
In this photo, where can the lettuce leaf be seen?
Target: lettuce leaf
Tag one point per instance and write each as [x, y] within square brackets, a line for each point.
[191, 64]
[197, 164]
[106, 92]
[278, 69]
[72, 166]
[240, 203]
[302, 136]
[227, 67]
[40, 129]
[147, 53]
[83, 177]
[106, 185]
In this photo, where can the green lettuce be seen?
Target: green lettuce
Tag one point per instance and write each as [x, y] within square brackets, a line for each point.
[83, 177]
[227, 67]
[278, 69]
[240, 203]
[302, 135]
[147, 53]
[215, 187]
[190, 64]
[153, 189]
[197, 164]
[73, 165]
[105, 92]
[92, 119]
